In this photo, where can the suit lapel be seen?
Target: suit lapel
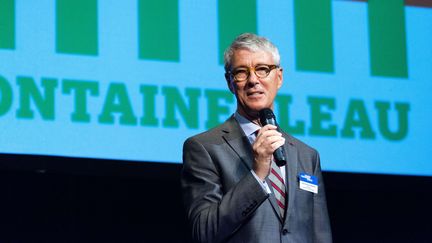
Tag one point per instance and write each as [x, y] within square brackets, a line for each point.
[291, 175]
[235, 138]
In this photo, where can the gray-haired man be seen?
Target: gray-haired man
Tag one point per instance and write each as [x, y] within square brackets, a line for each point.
[232, 189]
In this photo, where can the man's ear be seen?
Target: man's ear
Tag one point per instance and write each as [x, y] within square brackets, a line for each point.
[280, 77]
[230, 83]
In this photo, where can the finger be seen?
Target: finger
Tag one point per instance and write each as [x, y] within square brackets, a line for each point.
[270, 141]
[269, 127]
[265, 135]
[268, 145]
[266, 128]
[277, 144]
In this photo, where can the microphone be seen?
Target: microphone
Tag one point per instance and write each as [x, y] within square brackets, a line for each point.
[267, 117]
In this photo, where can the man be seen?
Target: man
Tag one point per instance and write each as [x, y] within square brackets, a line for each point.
[232, 188]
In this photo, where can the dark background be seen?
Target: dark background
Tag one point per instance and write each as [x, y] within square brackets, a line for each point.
[56, 199]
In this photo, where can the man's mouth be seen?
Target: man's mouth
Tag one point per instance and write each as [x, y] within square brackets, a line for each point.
[255, 93]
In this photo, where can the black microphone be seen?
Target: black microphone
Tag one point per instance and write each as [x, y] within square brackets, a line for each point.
[267, 117]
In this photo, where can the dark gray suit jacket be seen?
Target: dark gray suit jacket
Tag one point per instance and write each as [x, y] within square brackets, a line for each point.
[225, 203]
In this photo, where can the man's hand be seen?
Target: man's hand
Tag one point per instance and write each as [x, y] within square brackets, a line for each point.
[266, 142]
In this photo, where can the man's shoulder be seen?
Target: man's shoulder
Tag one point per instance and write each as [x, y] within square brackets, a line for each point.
[210, 134]
[213, 135]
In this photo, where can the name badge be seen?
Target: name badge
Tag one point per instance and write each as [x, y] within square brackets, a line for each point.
[308, 182]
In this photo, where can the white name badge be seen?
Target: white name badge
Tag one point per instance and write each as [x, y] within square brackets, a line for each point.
[308, 182]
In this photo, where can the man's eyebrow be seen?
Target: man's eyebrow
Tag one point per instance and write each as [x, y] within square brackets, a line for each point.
[247, 67]
[258, 64]
[241, 66]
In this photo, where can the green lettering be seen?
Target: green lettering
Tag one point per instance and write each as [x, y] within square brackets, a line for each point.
[215, 109]
[235, 17]
[44, 102]
[387, 38]
[313, 35]
[318, 116]
[7, 24]
[117, 101]
[174, 101]
[283, 104]
[5, 96]
[357, 117]
[149, 106]
[80, 90]
[77, 27]
[383, 120]
[158, 30]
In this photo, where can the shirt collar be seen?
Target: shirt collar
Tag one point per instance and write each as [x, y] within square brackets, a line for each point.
[247, 126]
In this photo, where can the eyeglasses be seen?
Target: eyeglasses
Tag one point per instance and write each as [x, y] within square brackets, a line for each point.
[241, 74]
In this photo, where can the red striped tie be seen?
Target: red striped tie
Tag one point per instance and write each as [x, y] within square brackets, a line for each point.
[278, 186]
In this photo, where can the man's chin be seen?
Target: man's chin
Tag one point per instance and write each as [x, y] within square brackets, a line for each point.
[257, 109]
[254, 113]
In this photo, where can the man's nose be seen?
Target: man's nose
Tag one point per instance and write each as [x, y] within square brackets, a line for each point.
[253, 78]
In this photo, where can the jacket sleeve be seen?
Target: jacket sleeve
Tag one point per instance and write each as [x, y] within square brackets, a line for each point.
[215, 213]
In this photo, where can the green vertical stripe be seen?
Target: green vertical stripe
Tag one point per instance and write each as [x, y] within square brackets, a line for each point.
[7, 24]
[387, 38]
[235, 17]
[77, 27]
[158, 29]
[313, 35]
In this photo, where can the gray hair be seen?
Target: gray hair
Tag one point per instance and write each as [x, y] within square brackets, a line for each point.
[253, 43]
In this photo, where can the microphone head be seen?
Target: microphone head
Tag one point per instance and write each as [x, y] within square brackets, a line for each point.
[267, 117]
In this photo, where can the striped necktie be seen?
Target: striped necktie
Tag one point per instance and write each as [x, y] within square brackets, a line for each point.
[278, 185]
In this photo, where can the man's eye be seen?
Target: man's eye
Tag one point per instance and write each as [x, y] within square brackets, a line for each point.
[262, 69]
[240, 71]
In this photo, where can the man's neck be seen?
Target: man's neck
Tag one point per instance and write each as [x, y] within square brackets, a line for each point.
[254, 118]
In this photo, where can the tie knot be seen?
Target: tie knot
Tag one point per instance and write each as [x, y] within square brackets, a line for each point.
[256, 132]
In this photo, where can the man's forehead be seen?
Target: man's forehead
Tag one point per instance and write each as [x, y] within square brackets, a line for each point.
[246, 57]
[247, 51]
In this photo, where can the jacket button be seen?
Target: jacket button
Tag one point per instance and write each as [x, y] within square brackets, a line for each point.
[284, 231]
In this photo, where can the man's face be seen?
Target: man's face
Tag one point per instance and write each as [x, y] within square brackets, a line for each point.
[254, 93]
